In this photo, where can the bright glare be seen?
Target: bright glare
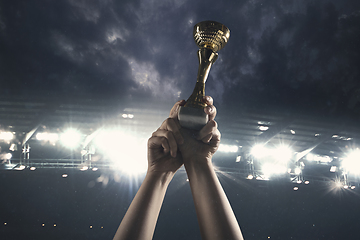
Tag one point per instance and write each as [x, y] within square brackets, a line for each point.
[318, 158]
[70, 138]
[84, 168]
[296, 188]
[5, 156]
[51, 137]
[263, 128]
[6, 136]
[352, 162]
[338, 184]
[283, 153]
[310, 157]
[21, 167]
[297, 171]
[131, 116]
[228, 148]
[273, 169]
[259, 151]
[250, 177]
[128, 152]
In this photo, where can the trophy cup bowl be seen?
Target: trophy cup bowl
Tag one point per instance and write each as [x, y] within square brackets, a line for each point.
[210, 37]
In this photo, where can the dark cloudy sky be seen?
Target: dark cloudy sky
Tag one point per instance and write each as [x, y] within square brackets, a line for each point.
[295, 54]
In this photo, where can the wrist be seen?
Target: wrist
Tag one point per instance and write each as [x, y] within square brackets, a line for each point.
[196, 165]
[164, 178]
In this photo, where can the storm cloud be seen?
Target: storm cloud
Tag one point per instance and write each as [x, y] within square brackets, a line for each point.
[284, 53]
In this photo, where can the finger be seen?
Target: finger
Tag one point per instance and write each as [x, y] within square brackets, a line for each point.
[155, 142]
[169, 136]
[208, 100]
[215, 140]
[207, 138]
[175, 109]
[211, 111]
[207, 130]
[172, 125]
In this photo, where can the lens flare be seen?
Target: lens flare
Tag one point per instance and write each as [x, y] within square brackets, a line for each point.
[71, 138]
[124, 149]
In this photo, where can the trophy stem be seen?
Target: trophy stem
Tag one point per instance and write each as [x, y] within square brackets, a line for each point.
[206, 59]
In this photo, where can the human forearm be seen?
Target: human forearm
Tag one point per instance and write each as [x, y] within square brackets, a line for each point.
[140, 220]
[215, 216]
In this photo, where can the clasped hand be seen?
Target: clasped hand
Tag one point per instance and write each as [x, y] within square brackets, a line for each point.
[170, 145]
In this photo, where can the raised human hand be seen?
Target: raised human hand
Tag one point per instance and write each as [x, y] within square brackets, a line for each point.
[201, 145]
[163, 151]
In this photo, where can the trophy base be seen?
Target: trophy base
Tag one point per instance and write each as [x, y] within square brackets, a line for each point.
[192, 118]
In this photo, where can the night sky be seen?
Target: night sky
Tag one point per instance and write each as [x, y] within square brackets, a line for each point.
[299, 56]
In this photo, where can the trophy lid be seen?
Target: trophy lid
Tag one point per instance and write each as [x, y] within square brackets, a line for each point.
[211, 34]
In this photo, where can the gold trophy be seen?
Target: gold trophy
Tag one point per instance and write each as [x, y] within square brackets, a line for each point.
[210, 37]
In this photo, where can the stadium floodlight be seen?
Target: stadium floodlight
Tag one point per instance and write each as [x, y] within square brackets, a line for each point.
[259, 151]
[297, 171]
[70, 138]
[338, 184]
[318, 158]
[263, 128]
[283, 153]
[5, 156]
[19, 167]
[45, 136]
[351, 163]
[228, 148]
[126, 150]
[333, 169]
[310, 157]
[6, 136]
[84, 168]
[270, 169]
[130, 116]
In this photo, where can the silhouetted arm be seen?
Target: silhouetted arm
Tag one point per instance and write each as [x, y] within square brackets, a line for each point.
[215, 215]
